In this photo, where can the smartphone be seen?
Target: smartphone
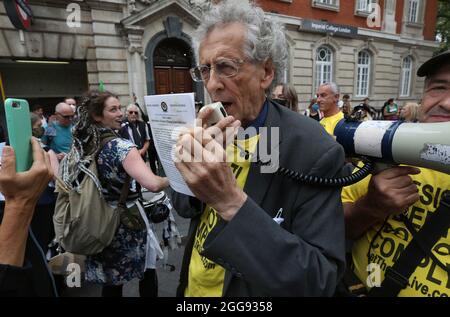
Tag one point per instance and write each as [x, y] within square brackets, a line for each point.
[218, 113]
[18, 130]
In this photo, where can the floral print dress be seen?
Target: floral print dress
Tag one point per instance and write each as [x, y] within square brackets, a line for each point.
[124, 259]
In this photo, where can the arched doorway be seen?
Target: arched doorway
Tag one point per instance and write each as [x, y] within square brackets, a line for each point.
[172, 60]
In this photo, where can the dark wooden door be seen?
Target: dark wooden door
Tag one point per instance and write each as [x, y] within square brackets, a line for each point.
[163, 80]
[172, 80]
[182, 81]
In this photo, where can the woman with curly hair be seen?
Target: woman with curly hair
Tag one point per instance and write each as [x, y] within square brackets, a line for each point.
[127, 257]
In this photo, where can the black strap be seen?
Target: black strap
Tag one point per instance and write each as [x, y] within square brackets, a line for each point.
[435, 227]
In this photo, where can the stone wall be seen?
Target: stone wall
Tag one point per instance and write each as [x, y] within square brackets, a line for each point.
[115, 54]
[109, 56]
[96, 41]
[385, 69]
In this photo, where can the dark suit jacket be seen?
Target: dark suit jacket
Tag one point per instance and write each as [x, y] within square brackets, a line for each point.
[305, 255]
[141, 127]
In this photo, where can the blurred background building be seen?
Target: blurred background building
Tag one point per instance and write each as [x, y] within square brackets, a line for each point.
[144, 47]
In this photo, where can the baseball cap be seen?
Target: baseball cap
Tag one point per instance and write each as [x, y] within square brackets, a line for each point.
[433, 64]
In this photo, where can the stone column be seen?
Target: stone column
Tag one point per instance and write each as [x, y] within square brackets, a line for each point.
[389, 23]
[136, 62]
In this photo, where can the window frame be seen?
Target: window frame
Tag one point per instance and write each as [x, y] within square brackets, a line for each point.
[333, 6]
[318, 80]
[403, 73]
[359, 74]
[366, 4]
[417, 11]
[364, 13]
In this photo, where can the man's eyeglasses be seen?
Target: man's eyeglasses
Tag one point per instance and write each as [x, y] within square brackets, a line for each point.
[133, 112]
[224, 68]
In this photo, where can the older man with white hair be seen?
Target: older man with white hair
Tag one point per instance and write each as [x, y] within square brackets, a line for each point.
[254, 233]
[328, 98]
[136, 130]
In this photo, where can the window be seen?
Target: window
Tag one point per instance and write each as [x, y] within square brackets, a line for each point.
[406, 77]
[363, 79]
[326, 4]
[364, 5]
[413, 11]
[324, 65]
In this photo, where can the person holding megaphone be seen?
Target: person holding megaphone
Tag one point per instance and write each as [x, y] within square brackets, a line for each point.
[398, 218]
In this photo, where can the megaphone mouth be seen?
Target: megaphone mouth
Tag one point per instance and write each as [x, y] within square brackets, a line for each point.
[395, 142]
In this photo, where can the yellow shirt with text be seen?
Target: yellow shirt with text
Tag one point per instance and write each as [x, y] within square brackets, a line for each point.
[428, 280]
[329, 123]
[206, 277]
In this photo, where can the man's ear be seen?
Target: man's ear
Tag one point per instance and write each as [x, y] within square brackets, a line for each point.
[269, 74]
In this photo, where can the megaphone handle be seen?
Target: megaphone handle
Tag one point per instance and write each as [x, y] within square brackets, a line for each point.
[379, 167]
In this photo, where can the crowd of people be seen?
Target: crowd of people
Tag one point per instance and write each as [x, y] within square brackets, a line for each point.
[67, 137]
[285, 94]
[313, 236]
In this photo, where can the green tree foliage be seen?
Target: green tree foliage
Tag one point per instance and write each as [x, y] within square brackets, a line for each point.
[443, 25]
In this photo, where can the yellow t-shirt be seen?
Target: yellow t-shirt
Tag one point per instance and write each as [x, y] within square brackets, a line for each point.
[428, 280]
[206, 277]
[329, 123]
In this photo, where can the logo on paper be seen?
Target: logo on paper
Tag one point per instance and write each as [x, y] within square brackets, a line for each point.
[164, 106]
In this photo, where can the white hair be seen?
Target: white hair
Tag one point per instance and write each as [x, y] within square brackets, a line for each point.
[333, 86]
[265, 36]
[132, 105]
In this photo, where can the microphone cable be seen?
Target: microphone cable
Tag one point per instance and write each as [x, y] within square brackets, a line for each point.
[313, 180]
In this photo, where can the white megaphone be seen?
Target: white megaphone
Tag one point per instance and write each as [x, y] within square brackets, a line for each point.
[396, 142]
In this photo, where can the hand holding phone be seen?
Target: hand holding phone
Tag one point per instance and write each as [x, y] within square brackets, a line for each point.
[17, 113]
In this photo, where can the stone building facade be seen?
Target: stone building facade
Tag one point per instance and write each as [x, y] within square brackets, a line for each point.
[144, 47]
[367, 58]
